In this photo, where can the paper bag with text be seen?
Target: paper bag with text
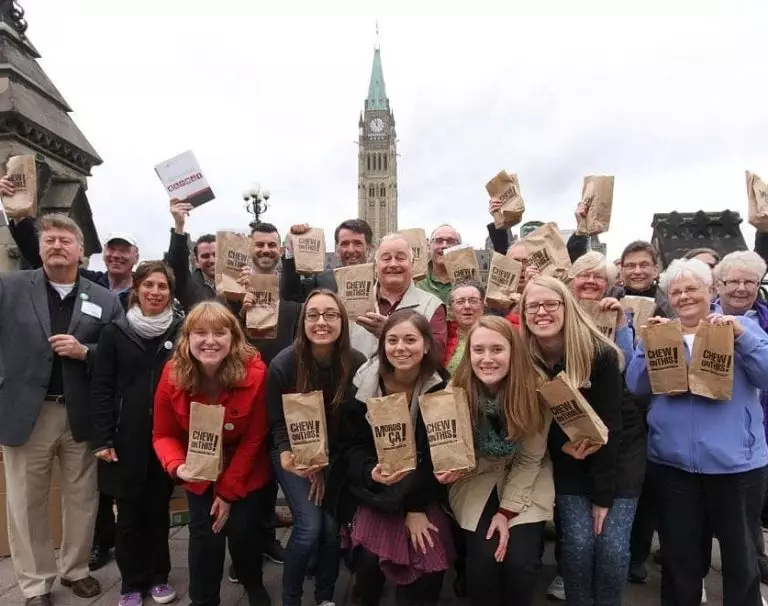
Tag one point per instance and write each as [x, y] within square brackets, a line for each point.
[640, 308]
[22, 172]
[605, 321]
[503, 277]
[354, 285]
[204, 456]
[233, 252]
[597, 196]
[393, 432]
[665, 358]
[461, 263]
[547, 251]
[506, 188]
[309, 251]
[572, 412]
[306, 425]
[711, 371]
[757, 192]
[261, 319]
[449, 429]
[417, 238]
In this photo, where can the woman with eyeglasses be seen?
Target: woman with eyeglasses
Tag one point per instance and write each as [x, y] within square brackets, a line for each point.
[320, 359]
[595, 511]
[466, 305]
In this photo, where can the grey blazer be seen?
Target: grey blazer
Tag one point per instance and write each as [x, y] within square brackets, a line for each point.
[26, 357]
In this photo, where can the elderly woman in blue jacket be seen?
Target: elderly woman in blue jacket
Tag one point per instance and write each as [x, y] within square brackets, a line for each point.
[706, 457]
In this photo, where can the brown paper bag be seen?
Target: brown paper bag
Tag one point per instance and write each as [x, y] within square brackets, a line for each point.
[711, 371]
[307, 431]
[572, 412]
[393, 432]
[547, 251]
[665, 358]
[605, 321]
[233, 252]
[261, 319]
[417, 238]
[506, 187]
[461, 263]
[597, 196]
[449, 429]
[757, 191]
[641, 308]
[22, 172]
[309, 251]
[355, 287]
[204, 461]
[503, 276]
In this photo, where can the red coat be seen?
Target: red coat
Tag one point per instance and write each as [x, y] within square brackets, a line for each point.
[244, 442]
[514, 318]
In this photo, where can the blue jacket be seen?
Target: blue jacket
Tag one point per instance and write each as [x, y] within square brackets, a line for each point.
[699, 435]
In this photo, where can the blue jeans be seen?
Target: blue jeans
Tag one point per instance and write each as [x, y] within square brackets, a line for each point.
[594, 566]
[313, 529]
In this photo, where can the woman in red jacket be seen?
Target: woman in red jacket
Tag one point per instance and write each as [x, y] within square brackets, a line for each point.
[214, 364]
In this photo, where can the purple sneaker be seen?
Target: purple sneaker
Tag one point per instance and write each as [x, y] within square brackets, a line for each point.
[131, 599]
[163, 594]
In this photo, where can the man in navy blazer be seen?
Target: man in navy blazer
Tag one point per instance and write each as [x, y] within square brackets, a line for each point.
[50, 321]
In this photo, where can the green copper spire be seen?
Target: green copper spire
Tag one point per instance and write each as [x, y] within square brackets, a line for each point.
[377, 92]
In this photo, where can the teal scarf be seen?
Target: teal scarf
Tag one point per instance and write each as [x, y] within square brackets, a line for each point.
[491, 431]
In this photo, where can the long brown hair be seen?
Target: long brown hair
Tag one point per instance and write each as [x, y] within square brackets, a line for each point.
[186, 371]
[430, 362]
[518, 400]
[342, 351]
[146, 269]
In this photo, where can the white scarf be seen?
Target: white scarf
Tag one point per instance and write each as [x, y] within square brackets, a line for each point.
[149, 327]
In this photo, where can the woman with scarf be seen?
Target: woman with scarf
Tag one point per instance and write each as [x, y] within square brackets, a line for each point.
[737, 281]
[129, 361]
[466, 306]
[502, 506]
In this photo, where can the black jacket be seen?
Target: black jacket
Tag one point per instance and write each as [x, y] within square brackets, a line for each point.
[603, 475]
[294, 287]
[125, 375]
[191, 288]
[351, 478]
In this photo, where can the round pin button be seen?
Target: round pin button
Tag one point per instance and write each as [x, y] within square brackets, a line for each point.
[84, 296]
[229, 426]
[168, 345]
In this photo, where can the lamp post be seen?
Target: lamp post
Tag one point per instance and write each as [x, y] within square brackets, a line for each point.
[256, 202]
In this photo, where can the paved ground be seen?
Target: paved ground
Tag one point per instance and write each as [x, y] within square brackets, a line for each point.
[231, 595]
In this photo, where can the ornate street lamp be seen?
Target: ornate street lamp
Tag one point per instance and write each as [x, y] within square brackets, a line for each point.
[256, 202]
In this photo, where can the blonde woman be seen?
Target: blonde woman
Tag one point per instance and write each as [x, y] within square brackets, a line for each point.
[213, 364]
[502, 506]
[595, 512]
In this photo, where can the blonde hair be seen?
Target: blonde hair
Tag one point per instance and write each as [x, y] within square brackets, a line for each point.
[186, 373]
[581, 338]
[518, 400]
[594, 261]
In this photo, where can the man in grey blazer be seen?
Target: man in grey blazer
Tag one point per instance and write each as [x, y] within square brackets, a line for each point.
[50, 320]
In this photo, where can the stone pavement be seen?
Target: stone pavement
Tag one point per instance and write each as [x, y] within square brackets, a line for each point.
[231, 595]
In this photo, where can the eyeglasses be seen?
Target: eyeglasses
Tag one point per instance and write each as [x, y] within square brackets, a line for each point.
[645, 265]
[549, 306]
[734, 284]
[472, 301]
[447, 241]
[328, 316]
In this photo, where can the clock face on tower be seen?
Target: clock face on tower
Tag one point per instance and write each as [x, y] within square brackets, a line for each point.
[377, 125]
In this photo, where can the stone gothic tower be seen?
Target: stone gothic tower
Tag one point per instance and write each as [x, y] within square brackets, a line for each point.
[377, 158]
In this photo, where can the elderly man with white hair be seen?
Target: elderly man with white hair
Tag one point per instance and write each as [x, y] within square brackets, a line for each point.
[437, 281]
[707, 458]
[395, 290]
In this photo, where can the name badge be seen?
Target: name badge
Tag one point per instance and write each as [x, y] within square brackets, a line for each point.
[91, 309]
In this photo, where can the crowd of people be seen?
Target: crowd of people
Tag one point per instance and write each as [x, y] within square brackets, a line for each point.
[99, 372]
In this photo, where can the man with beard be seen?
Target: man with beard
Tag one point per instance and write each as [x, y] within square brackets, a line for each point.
[395, 290]
[437, 281]
[353, 238]
[191, 288]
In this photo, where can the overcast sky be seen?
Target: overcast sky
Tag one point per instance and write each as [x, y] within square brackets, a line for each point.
[673, 105]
